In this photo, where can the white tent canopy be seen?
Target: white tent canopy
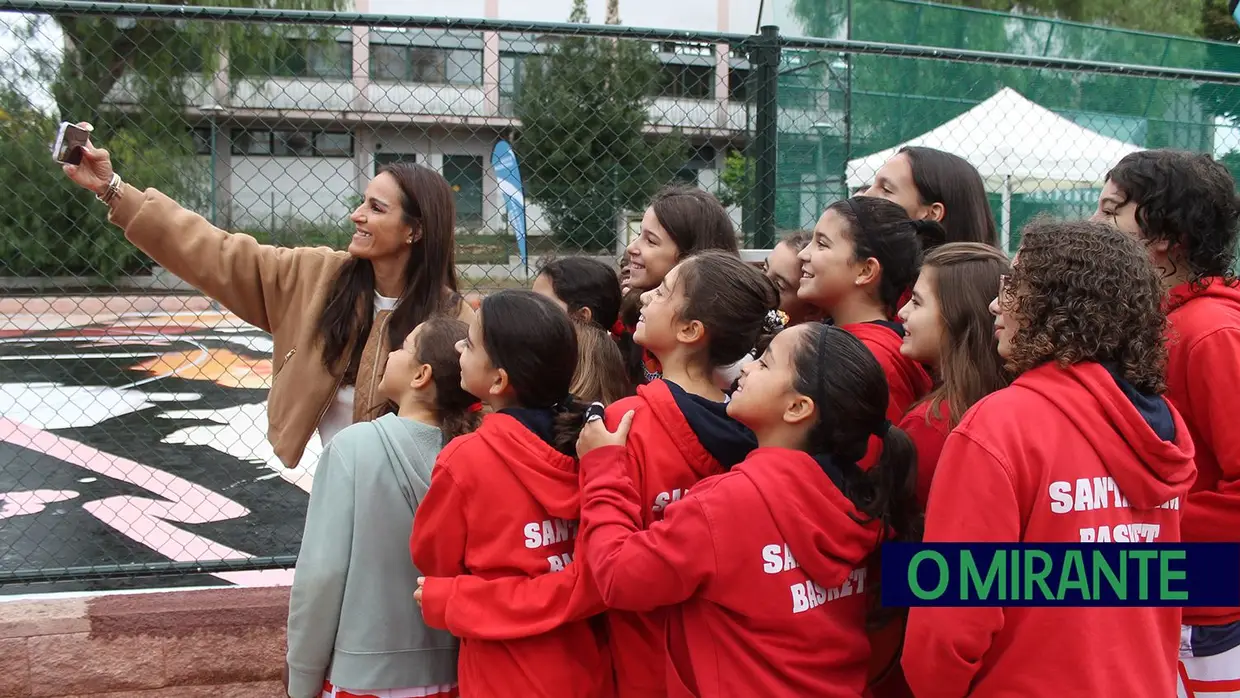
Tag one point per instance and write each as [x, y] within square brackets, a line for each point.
[1017, 145]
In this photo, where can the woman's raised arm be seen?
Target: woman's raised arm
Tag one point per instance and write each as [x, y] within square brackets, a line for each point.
[253, 280]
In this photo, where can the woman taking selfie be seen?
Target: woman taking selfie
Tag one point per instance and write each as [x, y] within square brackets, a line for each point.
[333, 315]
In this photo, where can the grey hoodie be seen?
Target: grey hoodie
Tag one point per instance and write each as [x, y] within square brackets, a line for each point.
[352, 617]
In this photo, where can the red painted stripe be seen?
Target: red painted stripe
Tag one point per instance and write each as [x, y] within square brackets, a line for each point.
[1222, 686]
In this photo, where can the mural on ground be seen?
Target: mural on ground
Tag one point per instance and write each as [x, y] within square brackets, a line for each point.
[130, 438]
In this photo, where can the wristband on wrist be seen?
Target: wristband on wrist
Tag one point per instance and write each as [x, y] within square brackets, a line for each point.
[113, 190]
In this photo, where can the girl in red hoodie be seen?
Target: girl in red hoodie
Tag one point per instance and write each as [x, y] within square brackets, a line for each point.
[764, 567]
[948, 328]
[1183, 207]
[864, 254]
[1081, 448]
[706, 312]
[504, 501]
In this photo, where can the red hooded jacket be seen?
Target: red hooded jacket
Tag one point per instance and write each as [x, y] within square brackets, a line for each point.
[763, 568]
[675, 440]
[1203, 373]
[1062, 455]
[928, 435]
[906, 379]
[504, 503]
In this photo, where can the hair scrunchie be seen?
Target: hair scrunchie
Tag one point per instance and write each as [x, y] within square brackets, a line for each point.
[565, 404]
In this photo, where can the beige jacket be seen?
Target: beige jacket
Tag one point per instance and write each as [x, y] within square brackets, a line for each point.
[280, 290]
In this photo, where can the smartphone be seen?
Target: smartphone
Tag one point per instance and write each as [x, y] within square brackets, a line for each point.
[70, 140]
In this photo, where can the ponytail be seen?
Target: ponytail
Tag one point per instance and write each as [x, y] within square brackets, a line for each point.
[930, 233]
[894, 484]
[459, 412]
[454, 423]
[570, 416]
[849, 389]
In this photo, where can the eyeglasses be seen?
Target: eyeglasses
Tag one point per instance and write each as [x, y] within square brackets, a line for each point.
[1003, 282]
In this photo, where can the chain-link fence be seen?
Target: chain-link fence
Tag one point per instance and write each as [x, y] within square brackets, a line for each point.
[132, 409]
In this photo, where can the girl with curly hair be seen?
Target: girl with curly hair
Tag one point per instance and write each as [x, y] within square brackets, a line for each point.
[1183, 206]
[1081, 448]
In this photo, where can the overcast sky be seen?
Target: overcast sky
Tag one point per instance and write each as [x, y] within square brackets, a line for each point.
[15, 55]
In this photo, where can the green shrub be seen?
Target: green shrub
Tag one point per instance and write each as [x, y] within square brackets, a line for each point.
[49, 226]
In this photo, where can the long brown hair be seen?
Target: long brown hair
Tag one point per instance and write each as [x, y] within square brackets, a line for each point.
[458, 411]
[966, 279]
[950, 180]
[695, 220]
[426, 206]
[601, 375]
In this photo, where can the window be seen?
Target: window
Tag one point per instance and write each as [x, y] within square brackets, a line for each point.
[429, 66]
[464, 173]
[296, 58]
[738, 85]
[202, 141]
[687, 81]
[384, 159]
[511, 71]
[329, 60]
[426, 65]
[333, 145]
[464, 68]
[389, 62]
[293, 143]
[245, 142]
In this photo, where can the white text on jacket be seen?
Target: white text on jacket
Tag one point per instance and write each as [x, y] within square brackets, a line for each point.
[808, 594]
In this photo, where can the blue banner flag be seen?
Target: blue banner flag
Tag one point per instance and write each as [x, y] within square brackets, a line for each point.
[1061, 574]
[508, 175]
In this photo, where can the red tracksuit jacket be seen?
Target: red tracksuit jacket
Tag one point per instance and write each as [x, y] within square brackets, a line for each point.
[504, 503]
[928, 435]
[1062, 455]
[1203, 373]
[763, 567]
[906, 379]
[675, 440]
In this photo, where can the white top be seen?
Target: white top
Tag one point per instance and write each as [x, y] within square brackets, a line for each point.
[340, 414]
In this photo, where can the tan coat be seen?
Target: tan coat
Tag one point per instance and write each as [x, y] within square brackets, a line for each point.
[277, 289]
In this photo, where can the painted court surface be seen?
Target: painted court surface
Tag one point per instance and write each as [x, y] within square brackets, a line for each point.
[133, 429]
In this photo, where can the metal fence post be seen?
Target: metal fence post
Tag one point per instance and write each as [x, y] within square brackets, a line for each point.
[765, 56]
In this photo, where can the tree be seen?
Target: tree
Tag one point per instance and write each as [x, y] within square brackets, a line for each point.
[150, 66]
[736, 180]
[585, 156]
[1182, 17]
[1217, 24]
